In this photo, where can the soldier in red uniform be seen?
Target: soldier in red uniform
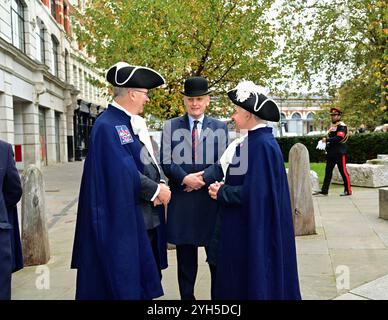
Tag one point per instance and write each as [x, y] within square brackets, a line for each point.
[336, 153]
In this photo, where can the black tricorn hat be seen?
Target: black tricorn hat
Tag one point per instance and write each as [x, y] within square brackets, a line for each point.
[195, 87]
[335, 110]
[124, 75]
[253, 98]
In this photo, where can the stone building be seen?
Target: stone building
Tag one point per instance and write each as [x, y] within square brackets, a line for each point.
[297, 115]
[47, 103]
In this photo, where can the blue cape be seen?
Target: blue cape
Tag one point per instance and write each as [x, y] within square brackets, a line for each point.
[257, 256]
[16, 245]
[111, 250]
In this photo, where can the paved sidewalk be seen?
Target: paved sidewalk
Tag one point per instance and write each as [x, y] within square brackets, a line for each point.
[351, 240]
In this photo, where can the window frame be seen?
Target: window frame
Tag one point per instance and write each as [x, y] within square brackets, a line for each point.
[42, 40]
[53, 8]
[20, 25]
[55, 62]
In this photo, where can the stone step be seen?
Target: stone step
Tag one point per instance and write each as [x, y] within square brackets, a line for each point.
[382, 156]
[383, 162]
[383, 203]
[364, 175]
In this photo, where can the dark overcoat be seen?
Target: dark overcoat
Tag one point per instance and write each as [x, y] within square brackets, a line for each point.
[191, 216]
[11, 258]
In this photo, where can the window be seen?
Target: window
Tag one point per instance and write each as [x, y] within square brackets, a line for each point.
[55, 56]
[66, 17]
[80, 81]
[75, 76]
[296, 124]
[40, 46]
[283, 123]
[310, 116]
[52, 7]
[309, 120]
[66, 65]
[296, 116]
[86, 85]
[17, 22]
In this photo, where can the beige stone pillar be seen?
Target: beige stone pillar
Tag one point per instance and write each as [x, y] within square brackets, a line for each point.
[300, 190]
[31, 143]
[50, 134]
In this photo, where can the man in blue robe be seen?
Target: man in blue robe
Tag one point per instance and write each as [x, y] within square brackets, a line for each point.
[256, 256]
[11, 258]
[112, 252]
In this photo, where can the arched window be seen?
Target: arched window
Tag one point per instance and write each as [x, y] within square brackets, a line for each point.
[309, 122]
[283, 123]
[296, 116]
[55, 56]
[17, 24]
[41, 44]
[310, 116]
[296, 124]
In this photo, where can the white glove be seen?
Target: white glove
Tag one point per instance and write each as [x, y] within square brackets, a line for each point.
[321, 145]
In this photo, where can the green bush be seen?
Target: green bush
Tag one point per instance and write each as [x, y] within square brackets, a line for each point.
[361, 147]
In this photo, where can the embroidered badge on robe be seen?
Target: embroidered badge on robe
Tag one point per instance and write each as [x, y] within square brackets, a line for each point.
[124, 134]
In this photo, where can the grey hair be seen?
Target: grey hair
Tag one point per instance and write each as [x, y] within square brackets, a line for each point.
[258, 119]
[119, 91]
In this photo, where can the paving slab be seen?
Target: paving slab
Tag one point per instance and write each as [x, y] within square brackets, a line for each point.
[350, 296]
[375, 290]
[349, 235]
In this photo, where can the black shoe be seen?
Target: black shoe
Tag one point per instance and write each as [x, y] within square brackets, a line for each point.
[346, 193]
[320, 194]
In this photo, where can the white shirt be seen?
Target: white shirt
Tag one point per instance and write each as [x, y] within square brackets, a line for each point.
[227, 156]
[199, 124]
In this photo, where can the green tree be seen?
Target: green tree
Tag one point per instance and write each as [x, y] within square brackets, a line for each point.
[358, 99]
[223, 40]
[340, 40]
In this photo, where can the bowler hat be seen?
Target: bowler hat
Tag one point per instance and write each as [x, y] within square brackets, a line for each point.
[195, 87]
[124, 75]
[335, 110]
[252, 98]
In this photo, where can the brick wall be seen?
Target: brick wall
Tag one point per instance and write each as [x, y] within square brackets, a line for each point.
[62, 13]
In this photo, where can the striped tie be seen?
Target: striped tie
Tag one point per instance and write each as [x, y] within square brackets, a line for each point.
[194, 141]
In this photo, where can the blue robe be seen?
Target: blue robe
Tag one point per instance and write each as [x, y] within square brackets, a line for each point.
[111, 249]
[11, 257]
[257, 257]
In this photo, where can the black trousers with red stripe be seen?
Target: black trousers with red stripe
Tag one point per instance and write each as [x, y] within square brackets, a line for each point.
[339, 160]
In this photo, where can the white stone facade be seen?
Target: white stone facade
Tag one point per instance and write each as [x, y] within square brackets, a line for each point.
[37, 95]
[297, 115]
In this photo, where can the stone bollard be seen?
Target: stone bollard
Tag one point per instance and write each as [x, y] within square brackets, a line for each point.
[300, 190]
[383, 203]
[34, 227]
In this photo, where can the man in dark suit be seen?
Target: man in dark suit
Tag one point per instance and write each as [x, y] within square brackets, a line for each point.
[190, 145]
[153, 189]
[11, 258]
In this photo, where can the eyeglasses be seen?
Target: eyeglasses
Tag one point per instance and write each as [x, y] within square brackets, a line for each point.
[146, 93]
